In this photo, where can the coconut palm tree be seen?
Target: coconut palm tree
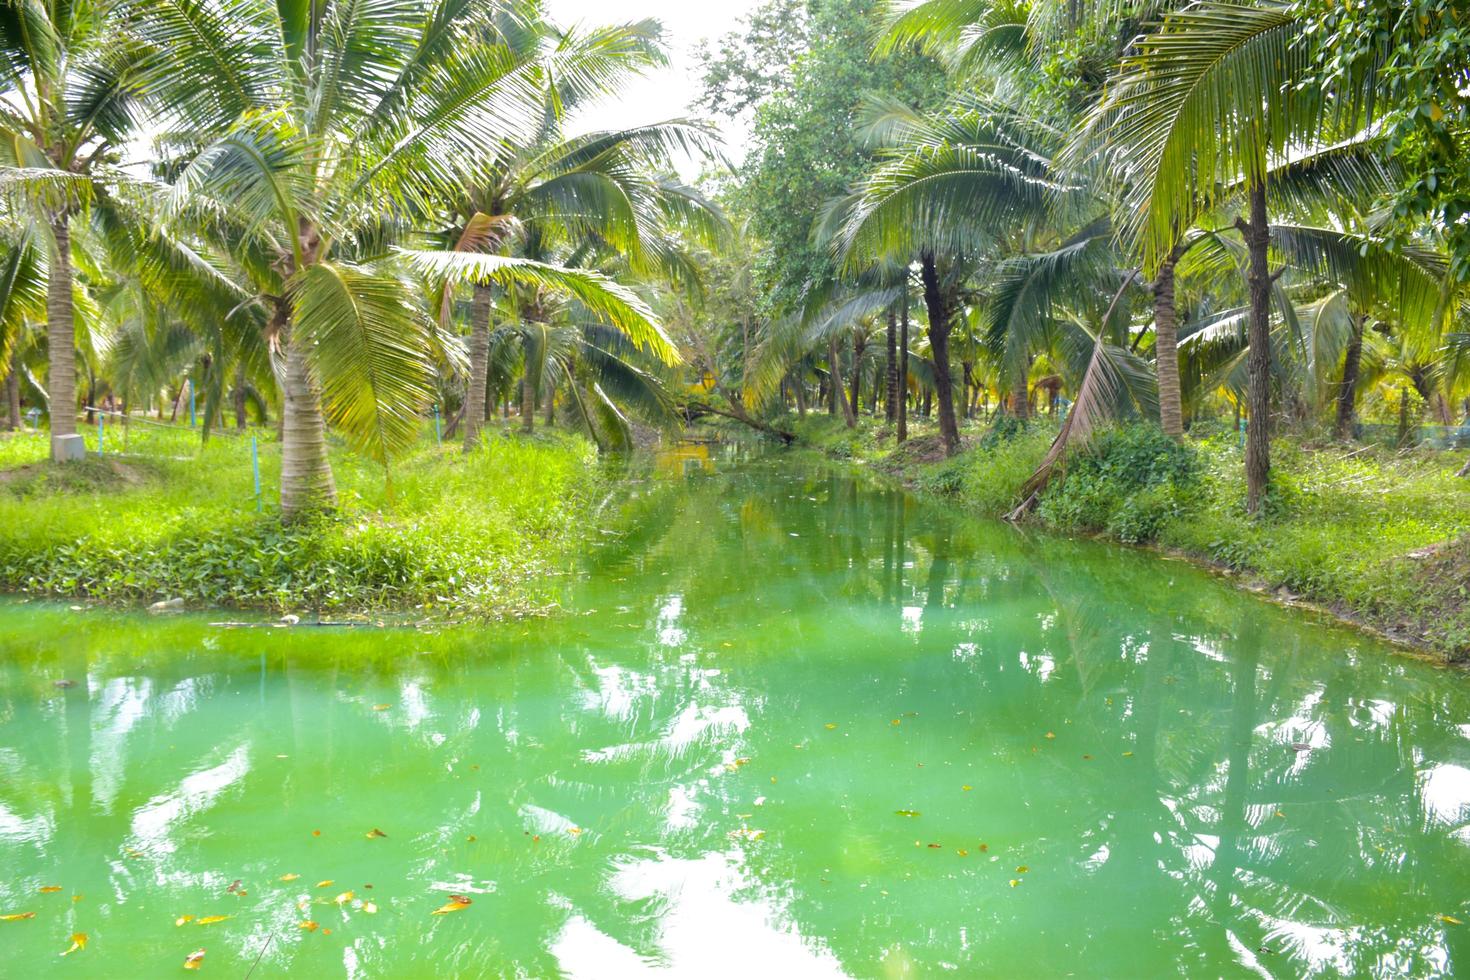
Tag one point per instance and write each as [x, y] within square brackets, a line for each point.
[69, 101]
[322, 134]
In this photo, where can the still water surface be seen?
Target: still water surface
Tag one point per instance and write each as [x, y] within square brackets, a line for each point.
[792, 725]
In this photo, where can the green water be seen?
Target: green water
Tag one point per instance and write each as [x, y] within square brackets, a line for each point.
[791, 725]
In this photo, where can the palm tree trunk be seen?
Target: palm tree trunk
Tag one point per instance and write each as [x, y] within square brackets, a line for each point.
[938, 306]
[1257, 234]
[61, 338]
[1166, 349]
[800, 386]
[890, 403]
[903, 367]
[859, 346]
[839, 396]
[551, 405]
[1021, 394]
[239, 395]
[1347, 390]
[12, 394]
[474, 410]
[306, 475]
[528, 405]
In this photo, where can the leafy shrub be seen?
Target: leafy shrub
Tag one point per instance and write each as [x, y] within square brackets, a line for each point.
[1129, 482]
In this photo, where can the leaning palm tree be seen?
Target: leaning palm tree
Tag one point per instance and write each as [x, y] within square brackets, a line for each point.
[321, 136]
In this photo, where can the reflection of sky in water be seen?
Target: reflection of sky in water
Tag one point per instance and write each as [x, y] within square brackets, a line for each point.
[791, 728]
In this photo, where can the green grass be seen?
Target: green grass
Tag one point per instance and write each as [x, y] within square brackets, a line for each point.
[1379, 535]
[449, 534]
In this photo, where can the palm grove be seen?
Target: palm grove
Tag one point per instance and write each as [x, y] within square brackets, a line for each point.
[343, 214]
[308, 206]
[1170, 211]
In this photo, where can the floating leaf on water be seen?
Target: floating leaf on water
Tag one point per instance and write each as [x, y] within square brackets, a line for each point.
[1301, 746]
[234, 887]
[1087, 757]
[456, 903]
[896, 721]
[574, 831]
[381, 707]
[183, 919]
[1022, 869]
[371, 908]
[471, 838]
[78, 941]
[907, 813]
[290, 877]
[831, 726]
[1280, 814]
[936, 845]
[375, 832]
[210, 920]
[76, 898]
[746, 833]
[17, 916]
[966, 788]
[1451, 920]
[1051, 734]
[316, 833]
[1015, 882]
[310, 925]
[963, 853]
[324, 883]
[194, 960]
[343, 898]
[50, 889]
[984, 848]
[1127, 755]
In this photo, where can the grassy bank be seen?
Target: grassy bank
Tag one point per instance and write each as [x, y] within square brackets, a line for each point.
[1378, 536]
[450, 535]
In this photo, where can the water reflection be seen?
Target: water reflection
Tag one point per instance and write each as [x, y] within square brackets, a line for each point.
[792, 723]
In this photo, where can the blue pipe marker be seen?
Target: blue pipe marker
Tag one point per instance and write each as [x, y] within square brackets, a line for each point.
[191, 404]
[438, 436]
[255, 466]
[1243, 424]
[99, 434]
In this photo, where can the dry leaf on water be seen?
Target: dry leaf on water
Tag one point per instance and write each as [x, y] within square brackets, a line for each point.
[212, 919]
[183, 919]
[194, 960]
[343, 898]
[50, 889]
[381, 707]
[456, 903]
[371, 908]
[907, 813]
[310, 925]
[1451, 920]
[17, 916]
[324, 883]
[289, 877]
[78, 941]
[1022, 869]
[375, 832]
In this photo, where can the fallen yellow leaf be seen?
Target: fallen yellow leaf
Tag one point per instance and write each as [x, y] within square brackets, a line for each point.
[194, 960]
[907, 813]
[1022, 869]
[78, 941]
[896, 721]
[210, 920]
[17, 916]
[325, 883]
[50, 889]
[574, 831]
[1451, 920]
[371, 908]
[343, 898]
[183, 919]
[967, 788]
[1127, 755]
[1051, 734]
[830, 726]
[456, 903]
[962, 852]
[381, 707]
[1015, 882]
[375, 832]
[289, 877]
[310, 925]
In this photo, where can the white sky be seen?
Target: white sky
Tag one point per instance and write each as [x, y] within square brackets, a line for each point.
[666, 93]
